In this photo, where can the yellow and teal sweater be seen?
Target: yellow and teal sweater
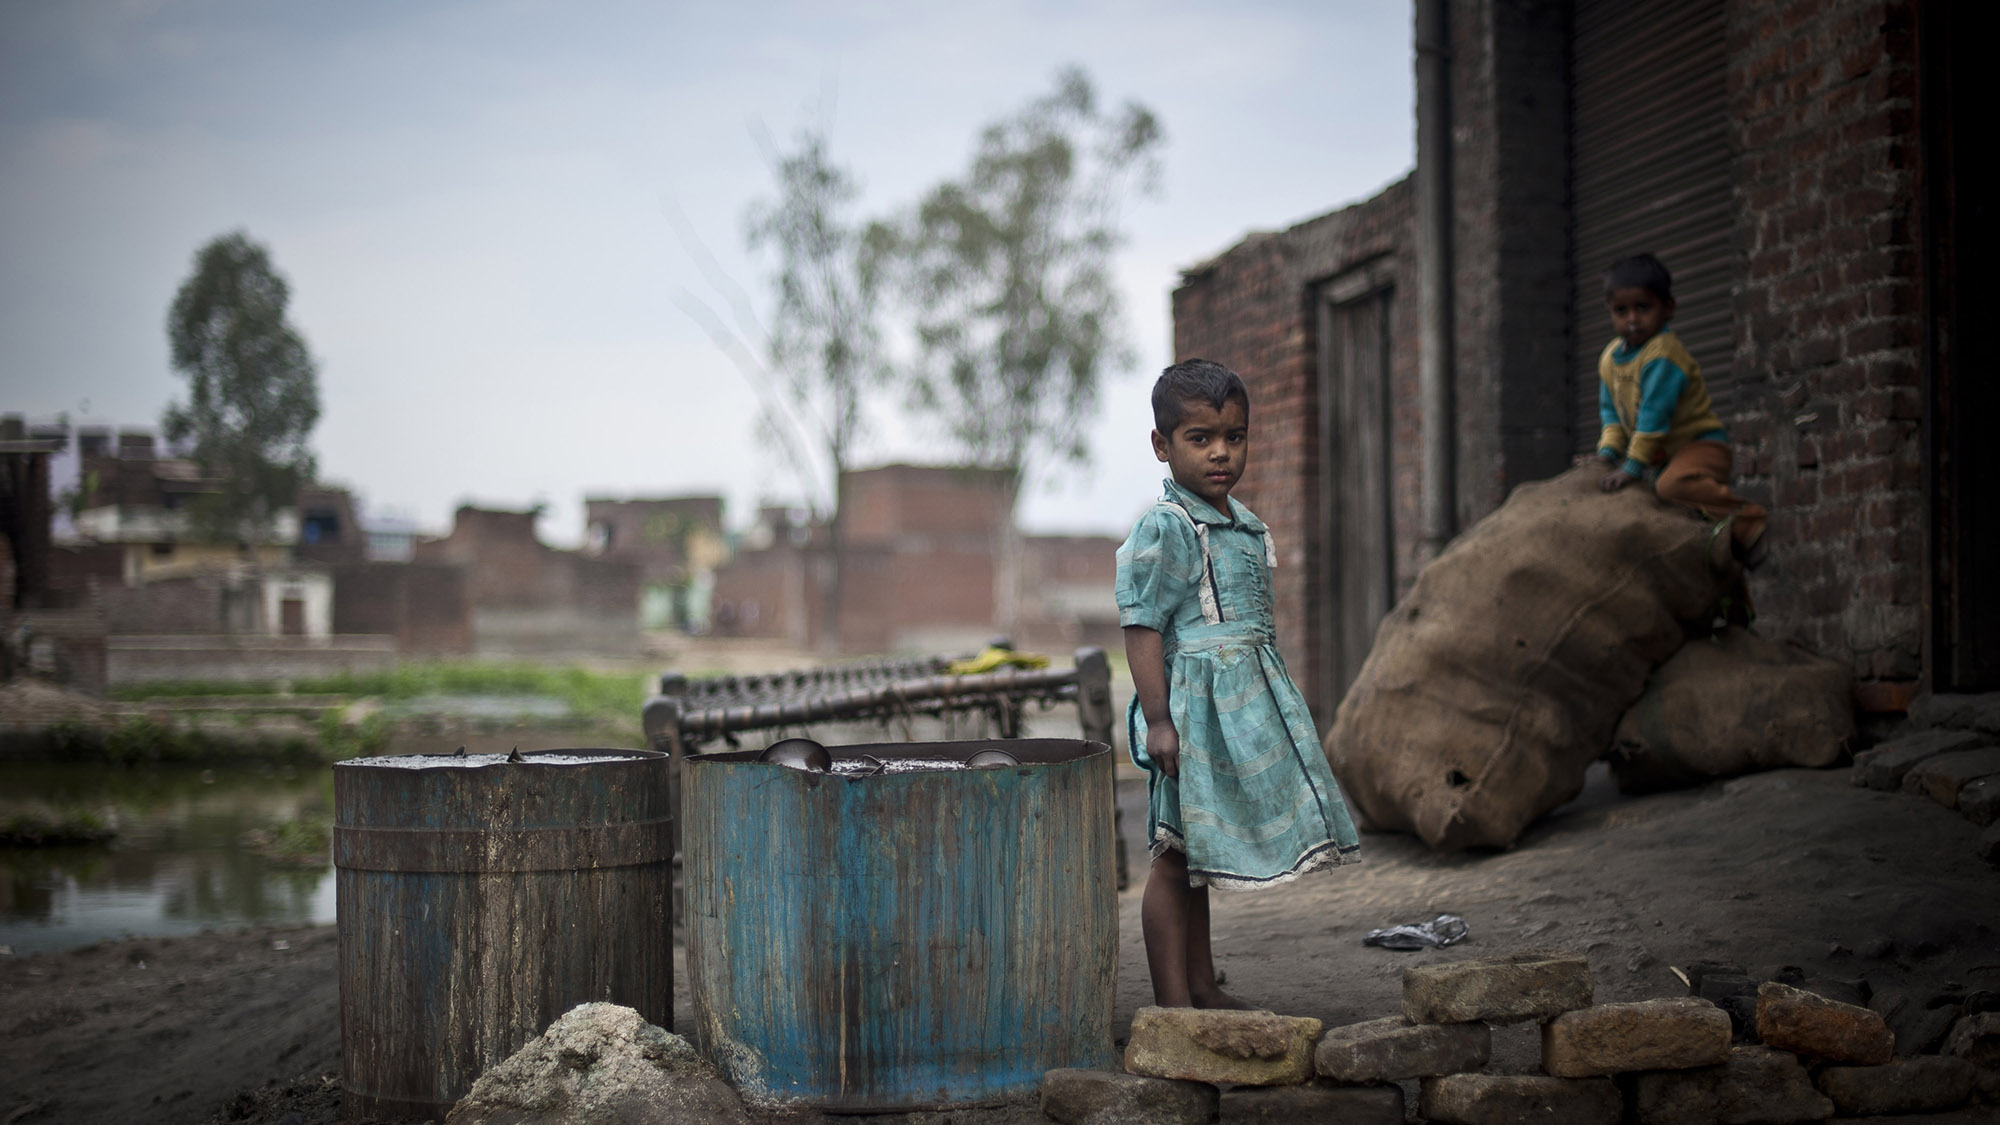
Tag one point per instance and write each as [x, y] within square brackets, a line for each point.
[1652, 402]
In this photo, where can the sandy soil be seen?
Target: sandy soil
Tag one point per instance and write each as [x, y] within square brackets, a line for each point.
[1791, 868]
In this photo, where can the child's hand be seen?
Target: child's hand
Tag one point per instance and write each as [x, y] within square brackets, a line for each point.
[1583, 459]
[1163, 746]
[1615, 480]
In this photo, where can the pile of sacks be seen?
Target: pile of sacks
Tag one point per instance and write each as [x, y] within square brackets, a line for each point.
[1555, 633]
[1672, 1061]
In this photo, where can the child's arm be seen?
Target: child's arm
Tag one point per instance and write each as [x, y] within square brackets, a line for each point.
[1660, 386]
[1146, 653]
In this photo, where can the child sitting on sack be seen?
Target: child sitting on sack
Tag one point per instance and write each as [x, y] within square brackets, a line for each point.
[1656, 413]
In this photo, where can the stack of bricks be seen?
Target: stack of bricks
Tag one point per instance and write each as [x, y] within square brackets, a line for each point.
[1670, 1061]
[1953, 758]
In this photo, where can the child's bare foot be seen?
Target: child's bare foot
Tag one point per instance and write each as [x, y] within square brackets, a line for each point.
[1216, 998]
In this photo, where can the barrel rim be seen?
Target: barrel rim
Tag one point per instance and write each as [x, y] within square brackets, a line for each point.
[1039, 752]
[611, 754]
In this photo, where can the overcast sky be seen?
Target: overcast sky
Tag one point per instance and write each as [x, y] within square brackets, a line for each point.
[472, 204]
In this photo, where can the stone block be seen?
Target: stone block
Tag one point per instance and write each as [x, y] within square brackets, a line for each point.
[1919, 1025]
[1941, 776]
[1979, 800]
[1504, 1099]
[1757, 1084]
[1925, 1084]
[1392, 1049]
[1313, 1102]
[1647, 1035]
[1884, 766]
[1976, 1039]
[1243, 1048]
[601, 1062]
[1522, 986]
[1792, 1019]
[1106, 1097]
[1961, 712]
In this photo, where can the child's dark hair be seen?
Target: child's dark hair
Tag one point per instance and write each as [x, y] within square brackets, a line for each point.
[1194, 380]
[1640, 271]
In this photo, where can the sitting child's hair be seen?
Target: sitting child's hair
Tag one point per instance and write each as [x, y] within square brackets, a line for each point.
[1640, 271]
[1194, 380]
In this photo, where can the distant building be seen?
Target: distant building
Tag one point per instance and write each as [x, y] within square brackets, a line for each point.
[676, 542]
[931, 563]
[527, 597]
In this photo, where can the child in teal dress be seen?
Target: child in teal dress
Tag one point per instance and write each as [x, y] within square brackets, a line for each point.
[1241, 796]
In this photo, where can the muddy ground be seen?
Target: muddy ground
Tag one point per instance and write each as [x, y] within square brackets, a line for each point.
[1791, 868]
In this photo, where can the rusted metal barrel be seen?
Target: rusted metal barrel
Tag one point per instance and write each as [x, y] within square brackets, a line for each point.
[910, 939]
[479, 898]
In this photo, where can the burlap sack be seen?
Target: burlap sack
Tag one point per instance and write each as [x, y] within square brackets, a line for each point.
[1729, 704]
[1498, 680]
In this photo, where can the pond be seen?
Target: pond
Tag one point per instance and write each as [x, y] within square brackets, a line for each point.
[197, 848]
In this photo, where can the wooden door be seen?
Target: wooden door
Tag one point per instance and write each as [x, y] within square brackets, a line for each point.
[1357, 570]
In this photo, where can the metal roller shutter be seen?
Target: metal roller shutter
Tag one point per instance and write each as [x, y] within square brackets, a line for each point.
[1650, 171]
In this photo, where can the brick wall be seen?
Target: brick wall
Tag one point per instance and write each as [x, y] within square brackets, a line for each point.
[423, 605]
[1822, 101]
[1255, 308]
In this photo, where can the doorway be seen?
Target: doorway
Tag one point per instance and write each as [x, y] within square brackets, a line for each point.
[1357, 576]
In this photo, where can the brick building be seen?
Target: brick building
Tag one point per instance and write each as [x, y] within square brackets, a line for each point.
[932, 563]
[677, 542]
[1797, 165]
[528, 597]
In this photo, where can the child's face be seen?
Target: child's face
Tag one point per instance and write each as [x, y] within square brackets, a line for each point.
[1638, 314]
[1207, 452]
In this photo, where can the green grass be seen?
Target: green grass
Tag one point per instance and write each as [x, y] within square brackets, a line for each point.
[590, 695]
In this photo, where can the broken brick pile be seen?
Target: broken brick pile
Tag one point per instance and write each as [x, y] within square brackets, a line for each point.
[1953, 758]
[1682, 1060]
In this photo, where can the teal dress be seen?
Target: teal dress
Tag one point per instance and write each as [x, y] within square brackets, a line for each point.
[1255, 803]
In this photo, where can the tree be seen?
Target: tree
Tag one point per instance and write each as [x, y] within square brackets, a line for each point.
[824, 344]
[1009, 272]
[253, 390]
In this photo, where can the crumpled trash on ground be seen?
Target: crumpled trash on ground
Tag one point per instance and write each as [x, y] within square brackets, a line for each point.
[1445, 929]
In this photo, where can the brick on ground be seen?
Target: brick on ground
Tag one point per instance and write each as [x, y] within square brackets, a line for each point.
[1919, 1023]
[1960, 712]
[1392, 1049]
[1533, 985]
[1243, 1048]
[1757, 1084]
[1979, 800]
[1669, 1034]
[1976, 1039]
[1884, 766]
[1104, 1097]
[1792, 1019]
[1314, 1101]
[1503, 1099]
[1925, 1084]
[1942, 777]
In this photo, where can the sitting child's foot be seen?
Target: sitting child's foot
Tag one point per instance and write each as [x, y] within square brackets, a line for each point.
[1751, 556]
[1216, 998]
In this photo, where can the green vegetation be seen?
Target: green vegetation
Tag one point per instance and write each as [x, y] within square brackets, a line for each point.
[590, 695]
[44, 826]
[292, 843]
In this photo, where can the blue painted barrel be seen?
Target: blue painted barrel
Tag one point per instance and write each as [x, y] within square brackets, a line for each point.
[479, 898]
[912, 939]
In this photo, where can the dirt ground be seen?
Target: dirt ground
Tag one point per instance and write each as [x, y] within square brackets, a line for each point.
[1790, 868]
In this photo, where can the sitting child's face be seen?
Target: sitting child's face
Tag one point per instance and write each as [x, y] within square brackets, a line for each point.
[1207, 452]
[1638, 314]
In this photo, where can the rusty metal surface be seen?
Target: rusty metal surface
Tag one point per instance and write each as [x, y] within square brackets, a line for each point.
[1651, 169]
[906, 939]
[476, 903]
